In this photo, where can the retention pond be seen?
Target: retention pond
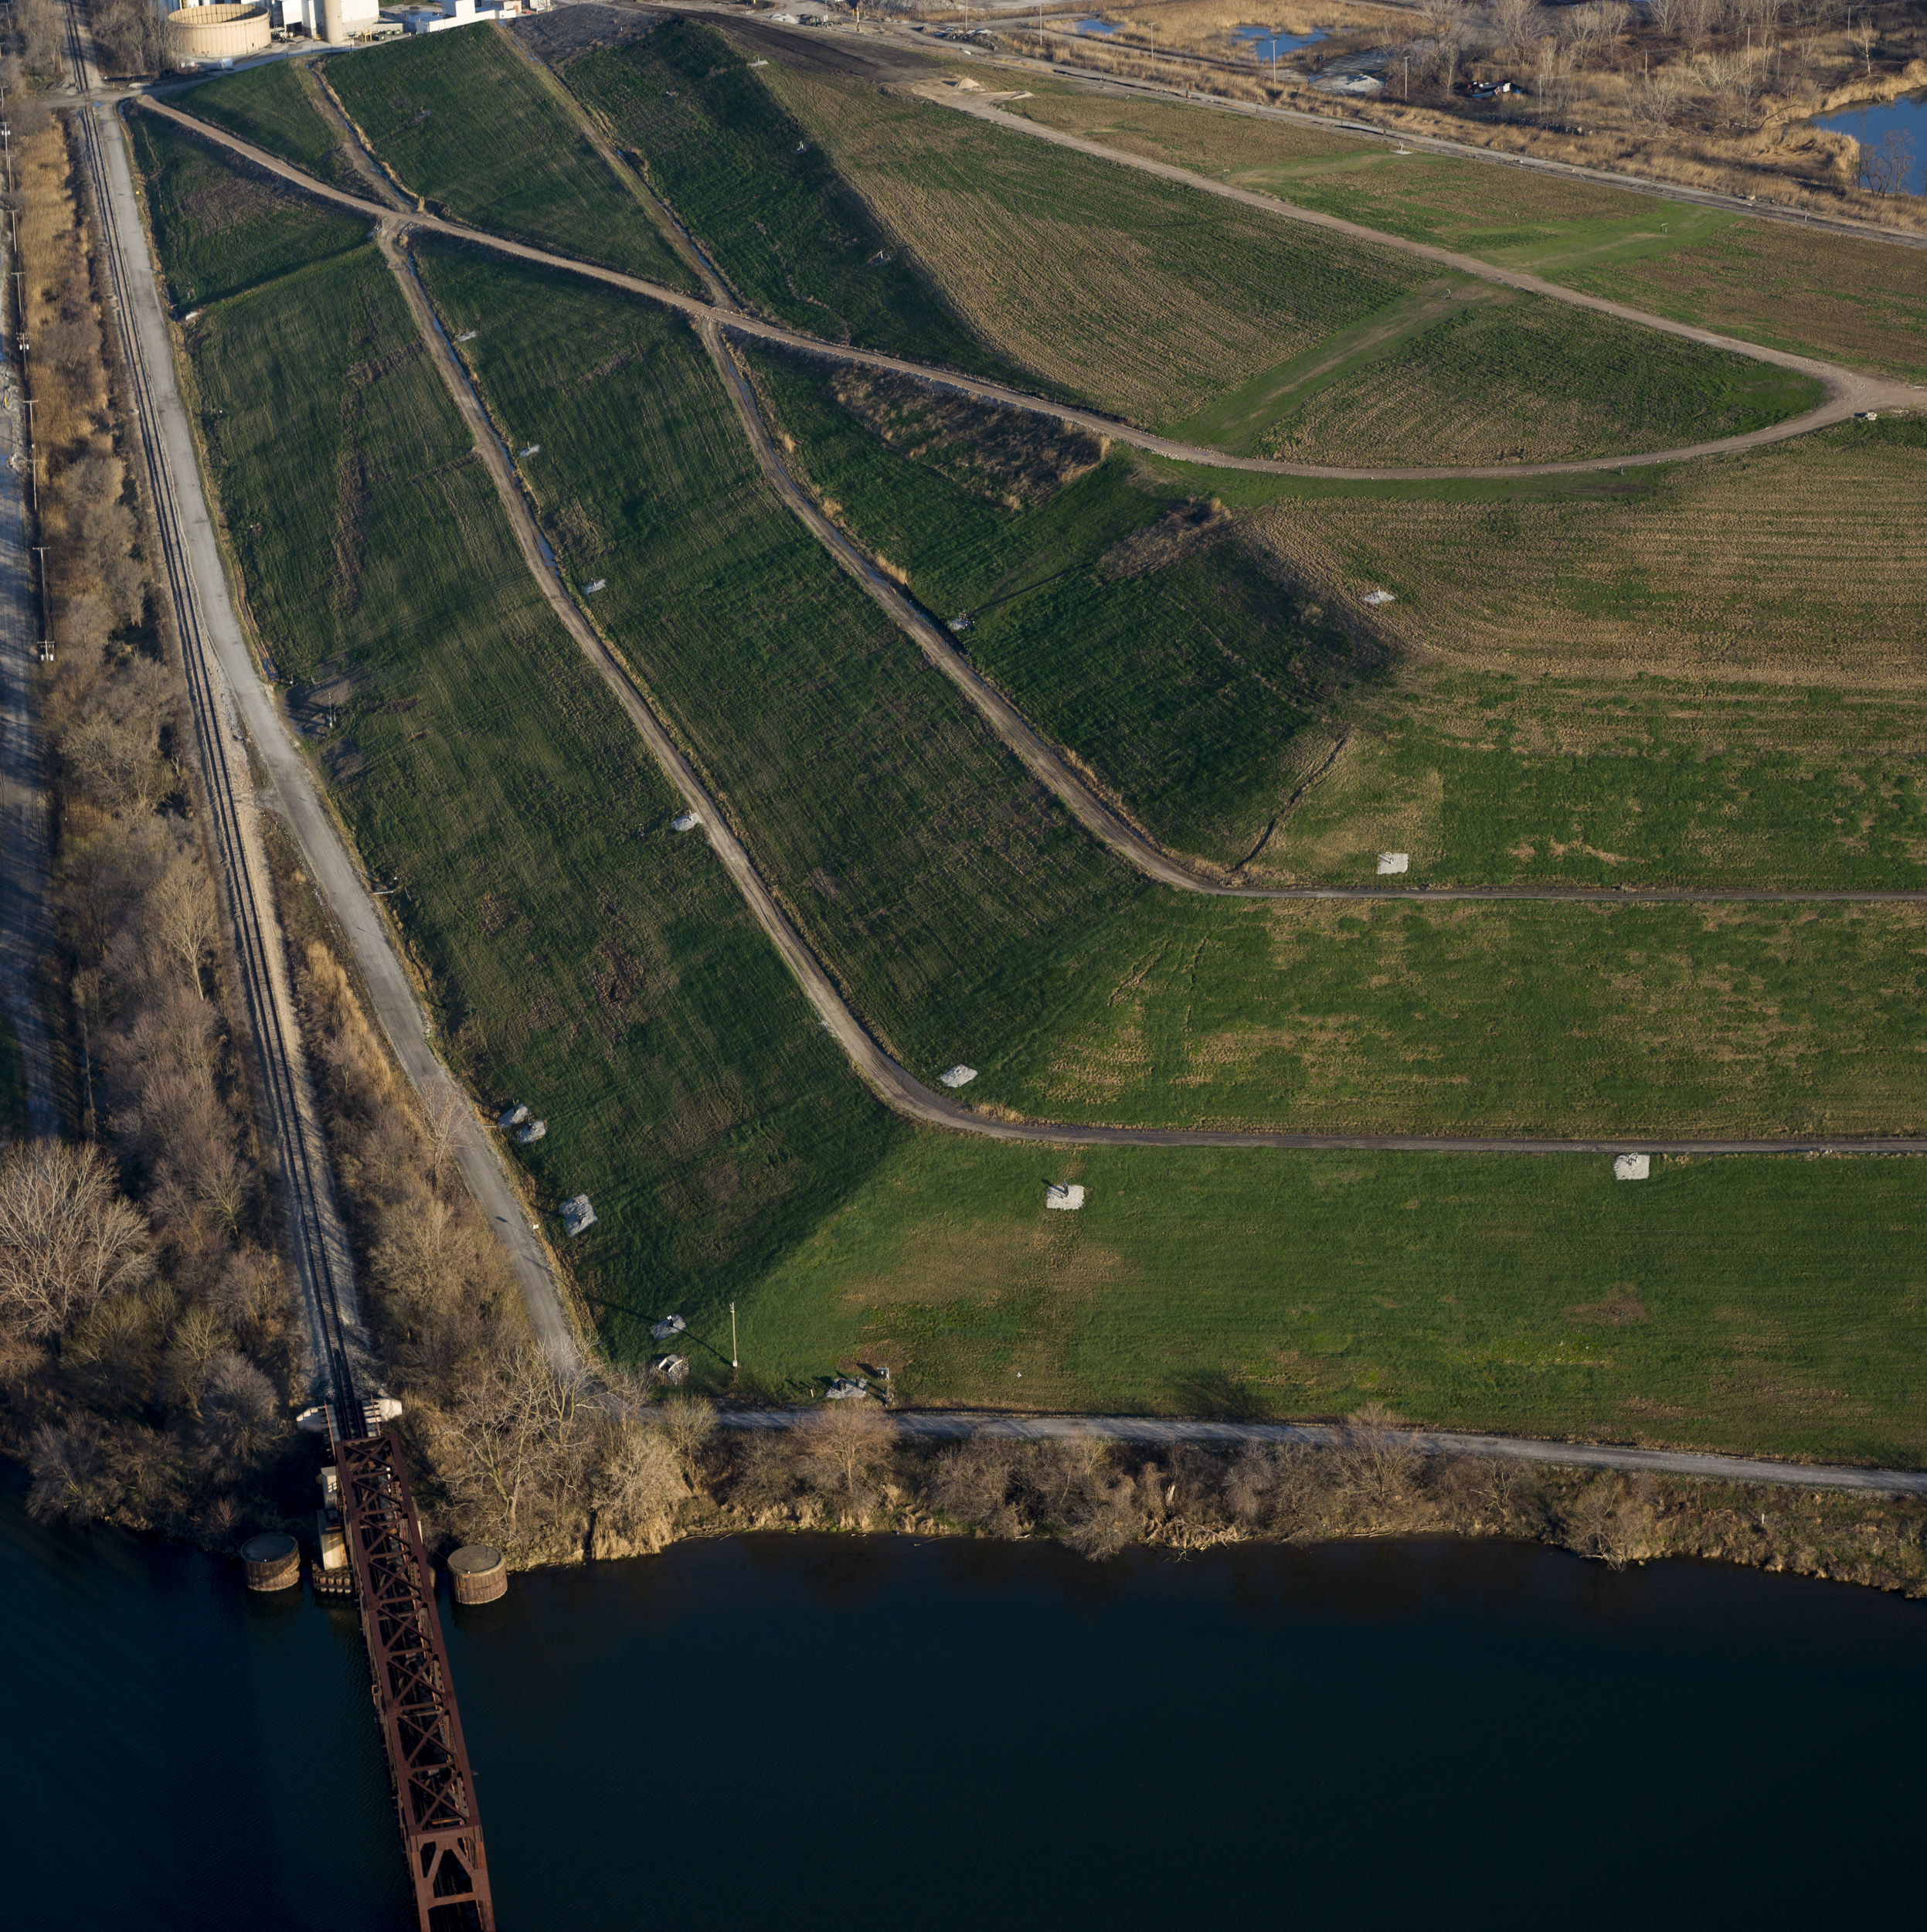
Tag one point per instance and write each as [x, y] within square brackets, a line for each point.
[796, 1730]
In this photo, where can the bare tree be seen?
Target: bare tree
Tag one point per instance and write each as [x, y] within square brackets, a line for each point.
[187, 917]
[72, 1480]
[638, 1483]
[67, 1239]
[844, 1446]
[688, 1422]
[240, 1418]
[1381, 1462]
[1887, 166]
[1612, 1519]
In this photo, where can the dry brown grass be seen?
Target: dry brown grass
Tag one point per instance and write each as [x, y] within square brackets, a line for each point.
[1799, 565]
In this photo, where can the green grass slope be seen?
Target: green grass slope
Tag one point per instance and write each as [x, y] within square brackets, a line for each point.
[221, 229]
[791, 236]
[969, 919]
[467, 122]
[1183, 686]
[272, 106]
[580, 955]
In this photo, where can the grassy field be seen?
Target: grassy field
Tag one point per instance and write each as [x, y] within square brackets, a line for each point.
[221, 230]
[1788, 287]
[273, 107]
[1490, 722]
[1705, 1306]
[579, 955]
[1750, 1305]
[1210, 320]
[467, 122]
[792, 237]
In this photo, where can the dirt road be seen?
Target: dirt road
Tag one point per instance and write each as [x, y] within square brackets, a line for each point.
[1848, 392]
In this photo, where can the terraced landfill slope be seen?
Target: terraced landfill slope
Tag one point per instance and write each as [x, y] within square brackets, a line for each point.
[1194, 315]
[463, 120]
[579, 956]
[584, 959]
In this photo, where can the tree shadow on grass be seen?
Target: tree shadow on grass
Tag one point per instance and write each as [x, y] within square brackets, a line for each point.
[1219, 1395]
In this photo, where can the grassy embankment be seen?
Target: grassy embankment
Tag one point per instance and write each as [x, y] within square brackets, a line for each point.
[1490, 721]
[1192, 1280]
[273, 106]
[579, 956]
[792, 237]
[221, 229]
[1833, 296]
[464, 121]
[970, 922]
[1194, 315]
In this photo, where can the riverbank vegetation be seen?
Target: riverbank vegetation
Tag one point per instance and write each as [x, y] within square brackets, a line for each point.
[147, 1355]
[849, 1467]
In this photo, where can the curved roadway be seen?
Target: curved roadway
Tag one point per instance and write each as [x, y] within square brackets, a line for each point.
[894, 1084]
[1849, 392]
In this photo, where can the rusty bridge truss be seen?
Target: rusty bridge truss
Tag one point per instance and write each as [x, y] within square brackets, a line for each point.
[414, 1693]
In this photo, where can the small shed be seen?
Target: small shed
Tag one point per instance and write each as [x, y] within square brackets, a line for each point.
[577, 1214]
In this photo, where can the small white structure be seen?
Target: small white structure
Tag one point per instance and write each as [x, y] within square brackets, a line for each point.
[513, 1118]
[534, 449]
[671, 1369]
[684, 821]
[577, 1215]
[1392, 862]
[1632, 1167]
[535, 1130]
[957, 1076]
[671, 1325]
[1379, 597]
[1064, 1194]
[456, 13]
[590, 589]
[844, 1390]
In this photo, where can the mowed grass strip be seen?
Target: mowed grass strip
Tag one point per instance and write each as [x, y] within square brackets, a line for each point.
[579, 956]
[952, 894]
[1177, 669]
[466, 121]
[793, 237]
[1785, 286]
[222, 228]
[273, 106]
[1775, 1305]
[1517, 1020]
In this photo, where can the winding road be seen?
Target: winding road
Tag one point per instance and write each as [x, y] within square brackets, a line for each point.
[893, 1084]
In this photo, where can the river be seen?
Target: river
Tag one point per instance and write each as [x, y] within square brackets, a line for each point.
[800, 1731]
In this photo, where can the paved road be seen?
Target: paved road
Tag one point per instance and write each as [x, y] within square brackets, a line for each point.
[959, 1425]
[1848, 392]
[291, 788]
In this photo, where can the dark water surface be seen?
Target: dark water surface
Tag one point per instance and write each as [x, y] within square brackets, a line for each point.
[817, 1731]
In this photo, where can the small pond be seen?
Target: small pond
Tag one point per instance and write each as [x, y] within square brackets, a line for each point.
[1270, 43]
[1870, 124]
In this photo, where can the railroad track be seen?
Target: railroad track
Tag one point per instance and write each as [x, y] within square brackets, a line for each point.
[309, 1200]
[394, 1592]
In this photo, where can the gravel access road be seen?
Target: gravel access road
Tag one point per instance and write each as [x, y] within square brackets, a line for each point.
[960, 1425]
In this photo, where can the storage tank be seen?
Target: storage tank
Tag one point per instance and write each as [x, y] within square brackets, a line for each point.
[272, 1561]
[195, 34]
[478, 1572]
[334, 22]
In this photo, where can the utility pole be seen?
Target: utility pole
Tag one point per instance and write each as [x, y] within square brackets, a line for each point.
[46, 609]
[734, 1362]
